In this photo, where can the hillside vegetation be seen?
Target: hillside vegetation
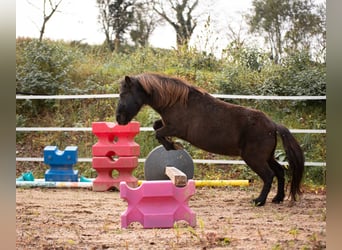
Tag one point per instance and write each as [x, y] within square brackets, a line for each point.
[61, 68]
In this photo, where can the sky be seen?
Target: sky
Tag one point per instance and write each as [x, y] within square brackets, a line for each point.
[77, 20]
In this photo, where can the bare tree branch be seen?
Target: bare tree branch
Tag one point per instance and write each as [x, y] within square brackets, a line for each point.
[46, 17]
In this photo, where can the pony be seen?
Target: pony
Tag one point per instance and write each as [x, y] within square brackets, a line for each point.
[192, 114]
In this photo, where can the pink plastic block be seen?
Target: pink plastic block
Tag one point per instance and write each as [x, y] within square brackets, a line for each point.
[104, 167]
[114, 139]
[157, 204]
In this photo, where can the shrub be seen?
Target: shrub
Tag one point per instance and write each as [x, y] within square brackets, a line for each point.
[298, 75]
[44, 70]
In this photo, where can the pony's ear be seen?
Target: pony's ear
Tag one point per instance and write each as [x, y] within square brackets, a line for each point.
[129, 81]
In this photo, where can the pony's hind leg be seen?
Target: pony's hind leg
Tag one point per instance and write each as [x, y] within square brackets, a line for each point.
[279, 173]
[261, 167]
[266, 174]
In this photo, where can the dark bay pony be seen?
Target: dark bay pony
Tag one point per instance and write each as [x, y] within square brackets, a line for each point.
[190, 113]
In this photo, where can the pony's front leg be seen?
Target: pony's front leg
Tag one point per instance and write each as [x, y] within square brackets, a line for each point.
[163, 135]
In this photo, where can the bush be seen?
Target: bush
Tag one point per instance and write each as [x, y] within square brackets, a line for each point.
[44, 69]
[247, 71]
[298, 75]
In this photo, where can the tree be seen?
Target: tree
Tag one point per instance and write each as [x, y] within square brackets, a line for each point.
[322, 10]
[288, 25]
[270, 17]
[105, 21]
[52, 7]
[305, 24]
[115, 17]
[180, 17]
[145, 22]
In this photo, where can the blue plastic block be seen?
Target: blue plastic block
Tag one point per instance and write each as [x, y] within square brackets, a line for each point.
[53, 156]
[60, 175]
[61, 163]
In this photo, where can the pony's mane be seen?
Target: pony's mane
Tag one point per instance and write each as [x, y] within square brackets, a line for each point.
[166, 91]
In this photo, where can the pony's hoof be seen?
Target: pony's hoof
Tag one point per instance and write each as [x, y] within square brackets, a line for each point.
[168, 147]
[258, 203]
[277, 200]
[177, 146]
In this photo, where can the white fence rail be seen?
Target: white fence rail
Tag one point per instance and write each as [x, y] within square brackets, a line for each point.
[222, 96]
[196, 161]
[142, 129]
[200, 161]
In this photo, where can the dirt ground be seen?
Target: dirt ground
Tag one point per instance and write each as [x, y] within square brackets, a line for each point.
[83, 219]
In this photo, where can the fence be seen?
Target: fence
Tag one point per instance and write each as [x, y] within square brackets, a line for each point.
[143, 129]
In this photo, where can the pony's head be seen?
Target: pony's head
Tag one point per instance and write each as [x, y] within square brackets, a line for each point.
[132, 98]
[158, 91]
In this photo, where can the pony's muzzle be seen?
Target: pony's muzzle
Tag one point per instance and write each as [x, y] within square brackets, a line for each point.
[121, 119]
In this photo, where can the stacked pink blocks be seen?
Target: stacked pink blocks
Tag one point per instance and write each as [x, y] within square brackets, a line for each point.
[115, 150]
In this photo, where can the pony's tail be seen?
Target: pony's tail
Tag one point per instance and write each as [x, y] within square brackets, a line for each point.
[295, 157]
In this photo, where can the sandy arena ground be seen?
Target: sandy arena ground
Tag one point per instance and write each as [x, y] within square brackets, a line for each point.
[83, 219]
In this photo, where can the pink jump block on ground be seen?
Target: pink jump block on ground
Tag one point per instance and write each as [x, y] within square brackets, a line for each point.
[115, 150]
[157, 204]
